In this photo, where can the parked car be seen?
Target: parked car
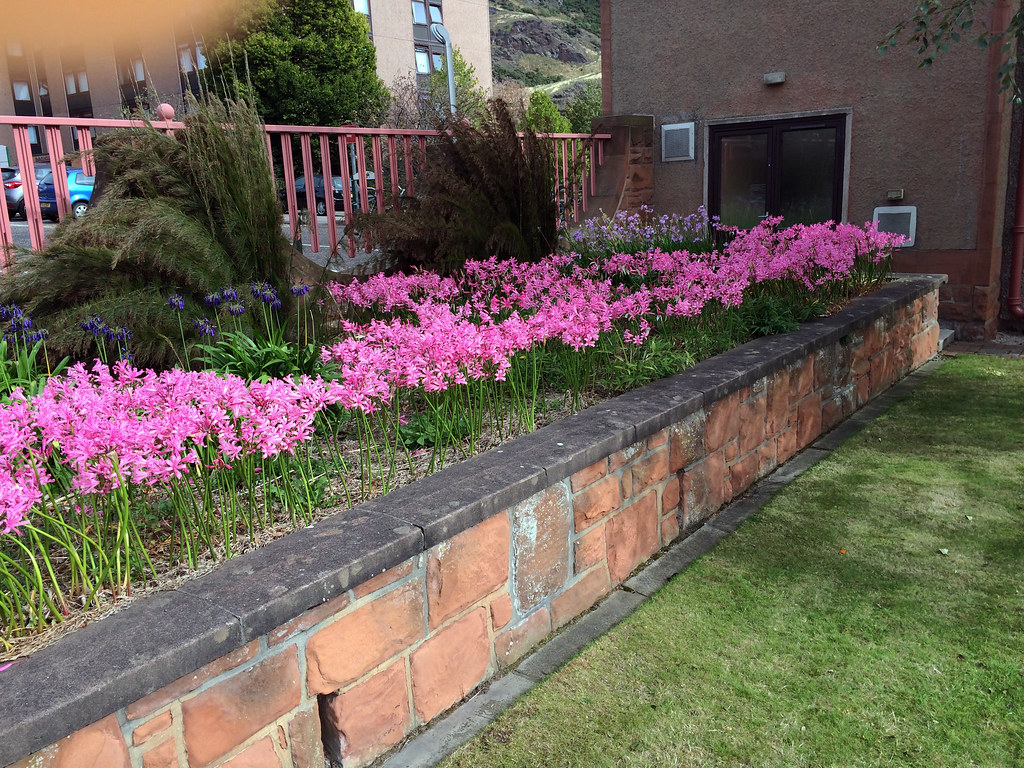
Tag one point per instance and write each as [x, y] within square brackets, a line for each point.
[338, 190]
[15, 192]
[80, 186]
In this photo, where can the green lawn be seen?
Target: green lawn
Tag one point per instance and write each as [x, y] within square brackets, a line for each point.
[871, 614]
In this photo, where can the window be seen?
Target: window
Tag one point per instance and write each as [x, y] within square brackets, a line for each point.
[419, 12]
[21, 91]
[422, 61]
[437, 59]
[190, 58]
[76, 82]
[361, 6]
[435, 14]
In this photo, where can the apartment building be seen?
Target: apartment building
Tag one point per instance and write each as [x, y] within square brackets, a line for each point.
[96, 76]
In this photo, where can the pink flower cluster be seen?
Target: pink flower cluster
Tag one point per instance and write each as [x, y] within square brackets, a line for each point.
[440, 331]
[122, 424]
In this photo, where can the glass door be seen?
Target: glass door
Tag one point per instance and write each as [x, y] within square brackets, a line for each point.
[789, 168]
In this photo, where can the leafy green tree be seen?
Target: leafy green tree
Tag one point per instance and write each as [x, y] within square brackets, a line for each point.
[584, 107]
[301, 62]
[934, 26]
[543, 116]
[412, 107]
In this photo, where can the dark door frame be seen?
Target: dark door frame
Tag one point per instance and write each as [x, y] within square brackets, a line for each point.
[775, 127]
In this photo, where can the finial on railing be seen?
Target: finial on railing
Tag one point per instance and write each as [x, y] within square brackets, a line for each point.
[165, 112]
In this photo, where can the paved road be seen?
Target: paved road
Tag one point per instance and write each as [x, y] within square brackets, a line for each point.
[343, 263]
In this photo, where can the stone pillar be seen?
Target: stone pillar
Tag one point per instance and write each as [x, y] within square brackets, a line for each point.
[626, 179]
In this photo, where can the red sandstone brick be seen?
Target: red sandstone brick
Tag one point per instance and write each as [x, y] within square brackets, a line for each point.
[670, 496]
[579, 597]
[863, 391]
[512, 644]
[150, 728]
[468, 567]
[304, 741]
[501, 610]
[686, 442]
[541, 531]
[188, 683]
[344, 651]
[808, 421]
[99, 745]
[650, 470]
[825, 366]
[801, 379]
[723, 423]
[767, 458]
[835, 409]
[450, 664]
[589, 549]
[224, 716]
[777, 405]
[307, 620]
[619, 459]
[730, 452]
[669, 529]
[632, 536]
[657, 440]
[259, 755]
[164, 755]
[746, 393]
[589, 475]
[881, 371]
[371, 717]
[626, 484]
[703, 488]
[595, 502]
[787, 445]
[742, 475]
[752, 421]
[925, 344]
[381, 580]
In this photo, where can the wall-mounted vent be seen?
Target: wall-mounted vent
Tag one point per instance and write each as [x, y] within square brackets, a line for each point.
[677, 142]
[899, 219]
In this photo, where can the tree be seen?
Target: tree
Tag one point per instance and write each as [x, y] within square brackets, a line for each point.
[415, 107]
[543, 116]
[934, 27]
[301, 62]
[584, 107]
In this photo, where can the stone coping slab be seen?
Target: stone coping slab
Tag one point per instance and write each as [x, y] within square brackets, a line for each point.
[115, 661]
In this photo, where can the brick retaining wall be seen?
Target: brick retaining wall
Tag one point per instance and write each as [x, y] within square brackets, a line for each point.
[356, 631]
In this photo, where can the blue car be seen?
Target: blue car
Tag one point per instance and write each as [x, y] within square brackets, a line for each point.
[80, 186]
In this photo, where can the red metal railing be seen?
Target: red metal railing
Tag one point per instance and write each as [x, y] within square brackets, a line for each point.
[376, 166]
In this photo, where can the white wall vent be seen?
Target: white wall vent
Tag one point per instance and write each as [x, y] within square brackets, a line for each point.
[677, 142]
[900, 219]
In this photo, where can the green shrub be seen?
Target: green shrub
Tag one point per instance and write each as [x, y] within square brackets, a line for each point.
[171, 214]
[483, 191]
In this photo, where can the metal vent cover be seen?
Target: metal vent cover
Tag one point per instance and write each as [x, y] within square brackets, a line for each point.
[677, 142]
[898, 219]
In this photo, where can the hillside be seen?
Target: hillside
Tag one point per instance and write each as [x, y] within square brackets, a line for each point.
[554, 45]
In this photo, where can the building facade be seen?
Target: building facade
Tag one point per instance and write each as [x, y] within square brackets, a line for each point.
[788, 109]
[104, 78]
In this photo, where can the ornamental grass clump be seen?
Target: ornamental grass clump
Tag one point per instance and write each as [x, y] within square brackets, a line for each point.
[171, 214]
[112, 474]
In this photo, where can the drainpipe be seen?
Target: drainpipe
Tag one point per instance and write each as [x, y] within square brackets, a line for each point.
[1014, 304]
